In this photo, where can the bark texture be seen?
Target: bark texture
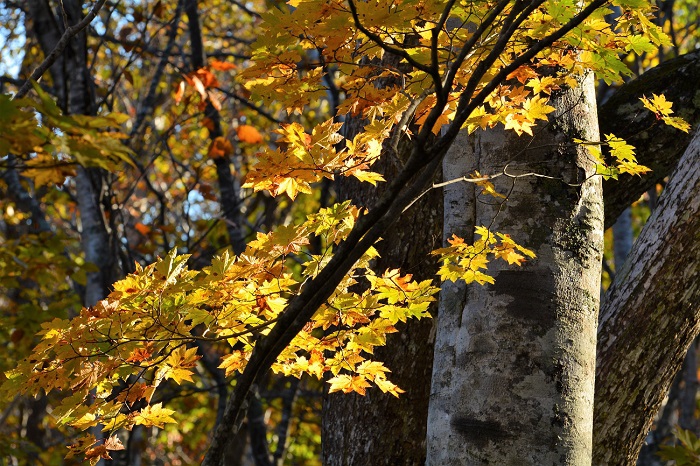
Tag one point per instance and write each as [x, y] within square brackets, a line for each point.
[379, 429]
[514, 362]
[650, 317]
[658, 146]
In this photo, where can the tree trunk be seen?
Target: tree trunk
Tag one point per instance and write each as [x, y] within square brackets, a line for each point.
[514, 362]
[379, 429]
[649, 318]
[623, 238]
[71, 83]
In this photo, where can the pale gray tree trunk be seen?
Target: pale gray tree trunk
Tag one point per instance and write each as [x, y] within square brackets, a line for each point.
[514, 364]
[650, 316]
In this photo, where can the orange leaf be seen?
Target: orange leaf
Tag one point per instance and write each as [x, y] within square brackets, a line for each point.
[220, 147]
[180, 92]
[222, 65]
[141, 354]
[249, 134]
[207, 78]
[143, 229]
[208, 123]
[199, 85]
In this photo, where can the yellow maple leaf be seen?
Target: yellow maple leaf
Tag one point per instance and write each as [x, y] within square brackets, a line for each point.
[537, 108]
[388, 387]
[154, 415]
[658, 104]
[510, 256]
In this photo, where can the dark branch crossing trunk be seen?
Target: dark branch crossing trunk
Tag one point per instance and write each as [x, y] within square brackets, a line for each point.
[355, 428]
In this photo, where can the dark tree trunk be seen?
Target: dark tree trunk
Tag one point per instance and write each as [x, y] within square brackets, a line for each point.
[379, 429]
[658, 146]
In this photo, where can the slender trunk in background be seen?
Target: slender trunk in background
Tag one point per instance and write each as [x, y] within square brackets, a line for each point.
[229, 185]
[622, 238]
[514, 362]
[74, 89]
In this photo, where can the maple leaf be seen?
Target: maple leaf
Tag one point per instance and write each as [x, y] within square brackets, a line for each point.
[221, 65]
[510, 256]
[154, 415]
[143, 229]
[369, 177]
[84, 422]
[620, 149]
[537, 108]
[249, 134]
[347, 384]
[178, 365]
[486, 186]
[388, 387]
[81, 445]
[141, 354]
[677, 122]
[235, 361]
[519, 123]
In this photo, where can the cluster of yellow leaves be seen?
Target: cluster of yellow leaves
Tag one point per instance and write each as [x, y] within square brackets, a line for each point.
[382, 90]
[111, 359]
[623, 153]
[462, 261]
[49, 146]
[301, 158]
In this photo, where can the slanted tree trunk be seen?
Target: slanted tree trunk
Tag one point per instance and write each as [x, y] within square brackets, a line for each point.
[658, 146]
[649, 318]
[514, 362]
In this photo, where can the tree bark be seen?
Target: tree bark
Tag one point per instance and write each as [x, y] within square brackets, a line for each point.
[649, 318]
[514, 362]
[378, 428]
